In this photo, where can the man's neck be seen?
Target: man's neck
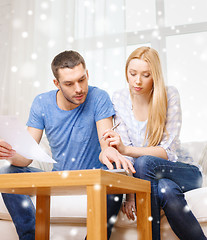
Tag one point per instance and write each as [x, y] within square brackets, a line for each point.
[63, 103]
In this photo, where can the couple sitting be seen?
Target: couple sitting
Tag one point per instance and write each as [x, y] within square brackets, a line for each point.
[77, 118]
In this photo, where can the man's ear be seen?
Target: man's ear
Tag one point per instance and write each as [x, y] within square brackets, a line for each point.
[57, 84]
[87, 75]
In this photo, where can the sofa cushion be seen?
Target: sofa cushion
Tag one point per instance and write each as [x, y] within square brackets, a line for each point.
[203, 163]
[62, 208]
[198, 151]
[197, 201]
[69, 206]
[3, 210]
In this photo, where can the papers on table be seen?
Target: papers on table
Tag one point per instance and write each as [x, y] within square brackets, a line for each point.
[122, 171]
[16, 134]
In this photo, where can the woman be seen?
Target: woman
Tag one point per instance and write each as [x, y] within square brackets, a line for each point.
[150, 120]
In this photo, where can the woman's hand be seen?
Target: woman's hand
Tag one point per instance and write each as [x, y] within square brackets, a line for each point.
[113, 139]
[128, 207]
[6, 150]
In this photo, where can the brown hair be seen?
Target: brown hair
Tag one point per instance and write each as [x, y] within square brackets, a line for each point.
[66, 59]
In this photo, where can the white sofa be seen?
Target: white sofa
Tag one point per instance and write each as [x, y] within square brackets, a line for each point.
[68, 213]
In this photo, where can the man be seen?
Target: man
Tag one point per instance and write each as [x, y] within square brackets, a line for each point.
[74, 117]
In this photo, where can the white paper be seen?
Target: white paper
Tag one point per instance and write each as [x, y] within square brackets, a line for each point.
[16, 134]
[121, 171]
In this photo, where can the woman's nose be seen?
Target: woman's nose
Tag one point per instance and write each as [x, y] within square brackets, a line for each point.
[138, 80]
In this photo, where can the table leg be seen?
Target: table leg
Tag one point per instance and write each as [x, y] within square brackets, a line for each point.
[96, 213]
[144, 226]
[42, 227]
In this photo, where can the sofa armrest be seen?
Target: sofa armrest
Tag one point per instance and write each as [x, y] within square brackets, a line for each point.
[203, 164]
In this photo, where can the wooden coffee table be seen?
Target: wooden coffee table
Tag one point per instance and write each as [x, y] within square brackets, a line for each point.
[95, 183]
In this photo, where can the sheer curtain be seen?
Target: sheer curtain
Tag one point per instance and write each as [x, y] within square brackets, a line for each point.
[34, 31]
[28, 50]
[100, 37]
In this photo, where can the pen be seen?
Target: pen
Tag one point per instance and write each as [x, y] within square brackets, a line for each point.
[115, 126]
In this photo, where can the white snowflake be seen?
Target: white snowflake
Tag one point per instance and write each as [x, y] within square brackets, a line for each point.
[36, 84]
[14, 69]
[116, 198]
[25, 203]
[186, 209]
[33, 56]
[25, 34]
[97, 187]
[99, 44]
[112, 219]
[86, 3]
[73, 232]
[44, 5]
[65, 174]
[30, 12]
[43, 17]
[150, 218]
[70, 39]
[51, 43]
[163, 190]
[113, 8]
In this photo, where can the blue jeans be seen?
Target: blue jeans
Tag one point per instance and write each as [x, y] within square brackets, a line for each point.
[23, 212]
[169, 180]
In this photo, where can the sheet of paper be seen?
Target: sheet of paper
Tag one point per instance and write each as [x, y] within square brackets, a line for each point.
[16, 134]
[122, 171]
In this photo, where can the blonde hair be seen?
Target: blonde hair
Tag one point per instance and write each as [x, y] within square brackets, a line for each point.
[158, 102]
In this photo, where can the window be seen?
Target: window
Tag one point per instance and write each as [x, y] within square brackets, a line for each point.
[181, 43]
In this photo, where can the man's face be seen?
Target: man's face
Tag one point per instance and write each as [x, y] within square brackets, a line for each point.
[73, 85]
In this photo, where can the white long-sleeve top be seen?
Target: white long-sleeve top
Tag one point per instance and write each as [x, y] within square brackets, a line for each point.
[132, 132]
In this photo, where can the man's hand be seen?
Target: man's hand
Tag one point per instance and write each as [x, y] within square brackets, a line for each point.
[6, 150]
[110, 155]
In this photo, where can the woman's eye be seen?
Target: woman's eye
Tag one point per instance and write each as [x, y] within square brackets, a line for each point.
[146, 75]
[133, 74]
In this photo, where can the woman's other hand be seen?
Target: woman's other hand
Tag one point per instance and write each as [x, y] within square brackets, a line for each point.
[128, 207]
[113, 139]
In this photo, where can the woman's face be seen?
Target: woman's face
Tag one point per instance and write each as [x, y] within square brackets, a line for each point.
[139, 77]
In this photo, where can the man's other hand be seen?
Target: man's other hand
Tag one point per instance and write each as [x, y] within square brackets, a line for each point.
[6, 150]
